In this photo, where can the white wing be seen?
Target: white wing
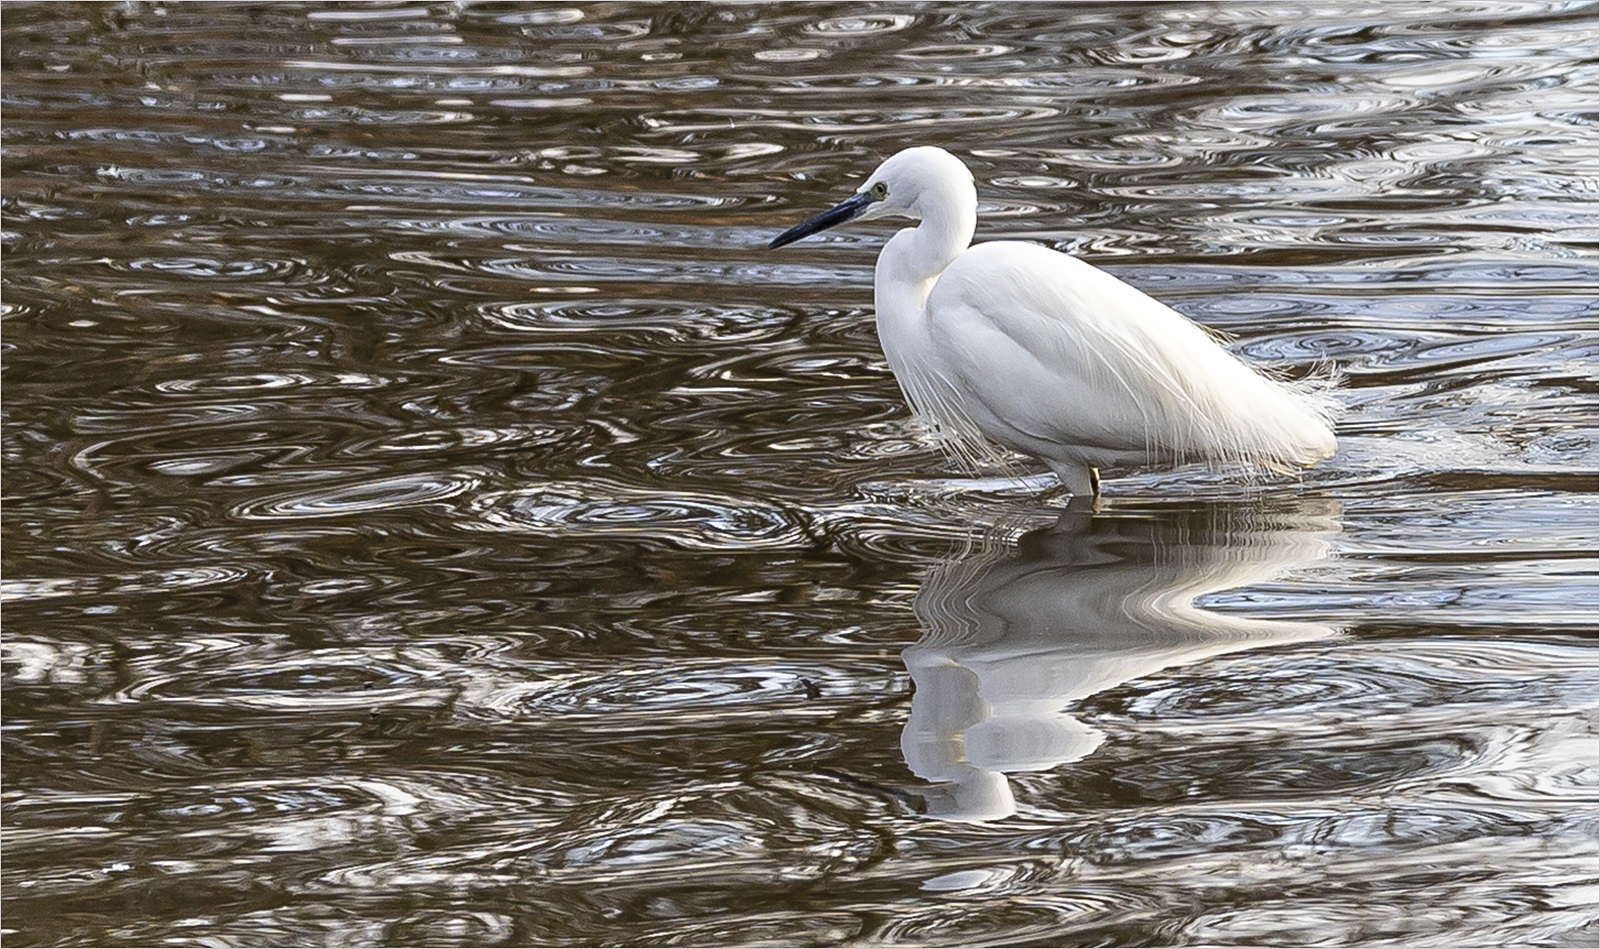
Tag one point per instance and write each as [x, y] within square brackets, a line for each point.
[1058, 359]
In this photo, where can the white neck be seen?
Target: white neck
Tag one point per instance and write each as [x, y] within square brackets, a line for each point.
[949, 216]
[914, 258]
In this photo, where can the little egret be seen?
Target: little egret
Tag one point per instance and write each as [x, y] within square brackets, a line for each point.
[1051, 357]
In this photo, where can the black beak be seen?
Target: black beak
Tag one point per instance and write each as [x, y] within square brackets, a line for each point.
[847, 210]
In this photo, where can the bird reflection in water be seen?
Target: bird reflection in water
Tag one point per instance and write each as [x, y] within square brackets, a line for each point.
[1015, 634]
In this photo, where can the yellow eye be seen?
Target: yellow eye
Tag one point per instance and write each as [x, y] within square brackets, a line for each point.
[880, 191]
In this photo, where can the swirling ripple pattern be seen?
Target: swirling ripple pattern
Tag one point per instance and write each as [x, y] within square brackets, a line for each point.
[432, 517]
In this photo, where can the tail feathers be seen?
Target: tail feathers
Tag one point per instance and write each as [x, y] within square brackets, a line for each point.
[1282, 427]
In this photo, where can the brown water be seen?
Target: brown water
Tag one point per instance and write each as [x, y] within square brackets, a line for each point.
[432, 517]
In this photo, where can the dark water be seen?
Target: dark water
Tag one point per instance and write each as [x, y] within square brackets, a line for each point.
[433, 518]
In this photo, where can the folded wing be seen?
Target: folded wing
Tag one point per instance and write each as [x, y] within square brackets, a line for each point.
[1060, 360]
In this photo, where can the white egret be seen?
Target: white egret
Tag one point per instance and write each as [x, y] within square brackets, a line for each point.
[1051, 357]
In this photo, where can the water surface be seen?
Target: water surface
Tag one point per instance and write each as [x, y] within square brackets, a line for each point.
[432, 517]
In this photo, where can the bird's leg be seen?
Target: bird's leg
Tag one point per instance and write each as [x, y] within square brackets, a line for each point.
[1077, 479]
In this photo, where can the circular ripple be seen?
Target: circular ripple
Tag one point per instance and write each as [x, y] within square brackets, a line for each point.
[685, 689]
[662, 322]
[1338, 344]
[325, 682]
[434, 441]
[861, 25]
[441, 927]
[168, 581]
[262, 381]
[1281, 691]
[1037, 919]
[227, 806]
[382, 495]
[1243, 313]
[695, 521]
[210, 268]
[754, 928]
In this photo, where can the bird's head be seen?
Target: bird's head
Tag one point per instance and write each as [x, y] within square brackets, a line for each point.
[905, 184]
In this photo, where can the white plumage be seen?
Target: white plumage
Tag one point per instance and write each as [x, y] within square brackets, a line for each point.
[1053, 358]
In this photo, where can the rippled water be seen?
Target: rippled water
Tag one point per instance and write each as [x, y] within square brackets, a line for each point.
[433, 518]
